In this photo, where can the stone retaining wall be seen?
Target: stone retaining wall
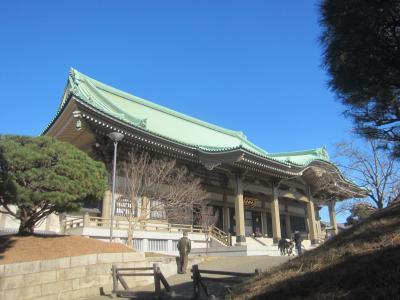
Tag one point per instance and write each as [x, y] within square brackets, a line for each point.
[73, 277]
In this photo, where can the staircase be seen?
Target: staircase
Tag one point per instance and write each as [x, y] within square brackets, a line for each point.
[261, 246]
[220, 236]
[254, 245]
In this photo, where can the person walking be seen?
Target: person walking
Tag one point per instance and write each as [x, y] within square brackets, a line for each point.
[184, 247]
[297, 241]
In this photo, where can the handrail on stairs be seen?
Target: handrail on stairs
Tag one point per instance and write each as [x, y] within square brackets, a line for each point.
[256, 239]
[221, 236]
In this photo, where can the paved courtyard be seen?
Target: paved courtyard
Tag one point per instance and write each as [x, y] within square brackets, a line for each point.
[182, 285]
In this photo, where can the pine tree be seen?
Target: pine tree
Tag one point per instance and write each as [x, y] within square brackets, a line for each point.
[361, 41]
[40, 176]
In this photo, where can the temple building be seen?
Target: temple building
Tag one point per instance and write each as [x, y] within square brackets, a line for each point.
[255, 192]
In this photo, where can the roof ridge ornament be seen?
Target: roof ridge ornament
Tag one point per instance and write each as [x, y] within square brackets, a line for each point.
[72, 73]
[74, 83]
[143, 123]
[323, 153]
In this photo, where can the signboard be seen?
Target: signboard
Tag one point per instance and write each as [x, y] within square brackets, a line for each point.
[249, 202]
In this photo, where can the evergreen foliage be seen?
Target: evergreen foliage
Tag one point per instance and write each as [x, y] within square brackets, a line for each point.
[40, 175]
[361, 41]
[359, 212]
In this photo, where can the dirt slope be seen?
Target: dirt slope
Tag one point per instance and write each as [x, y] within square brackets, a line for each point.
[362, 262]
[18, 249]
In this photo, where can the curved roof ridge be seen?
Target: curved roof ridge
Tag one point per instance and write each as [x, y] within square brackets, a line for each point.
[142, 101]
[100, 96]
[320, 152]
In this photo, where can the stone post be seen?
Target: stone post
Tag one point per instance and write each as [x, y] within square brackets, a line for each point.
[332, 215]
[86, 220]
[239, 211]
[106, 210]
[276, 222]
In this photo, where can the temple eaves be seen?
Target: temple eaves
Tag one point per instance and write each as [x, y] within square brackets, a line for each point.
[212, 145]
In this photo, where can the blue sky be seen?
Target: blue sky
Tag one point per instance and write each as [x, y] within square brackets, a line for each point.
[253, 66]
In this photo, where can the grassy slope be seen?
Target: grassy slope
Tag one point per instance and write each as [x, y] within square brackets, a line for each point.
[362, 262]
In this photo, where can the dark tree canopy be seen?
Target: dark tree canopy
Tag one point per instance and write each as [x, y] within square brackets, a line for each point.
[42, 175]
[361, 41]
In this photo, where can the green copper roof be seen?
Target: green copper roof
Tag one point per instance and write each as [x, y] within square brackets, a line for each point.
[172, 125]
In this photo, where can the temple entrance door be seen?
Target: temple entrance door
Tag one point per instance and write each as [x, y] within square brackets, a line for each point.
[248, 222]
[269, 225]
[232, 221]
[257, 222]
[252, 221]
[283, 227]
[219, 222]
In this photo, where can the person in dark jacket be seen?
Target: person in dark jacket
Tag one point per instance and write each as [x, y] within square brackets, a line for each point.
[297, 241]
[184, 247]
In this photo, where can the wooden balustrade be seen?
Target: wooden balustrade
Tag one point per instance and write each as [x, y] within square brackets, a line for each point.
[96, 222]
[221, 236]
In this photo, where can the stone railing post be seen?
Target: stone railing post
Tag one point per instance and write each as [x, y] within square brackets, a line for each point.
[86, 220]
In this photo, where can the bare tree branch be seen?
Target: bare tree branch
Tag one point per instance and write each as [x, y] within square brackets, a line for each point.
[157, 188]
[207, 218]
[372, 168]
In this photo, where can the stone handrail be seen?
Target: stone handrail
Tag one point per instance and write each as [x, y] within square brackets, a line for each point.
[73, 223]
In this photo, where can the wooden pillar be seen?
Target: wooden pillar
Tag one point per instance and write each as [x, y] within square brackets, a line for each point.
[239, 211]
[332, 216]
[317, 223]
[225, 213]
[276, 221]
[106, 210]
[311, 218]
[264, 219]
